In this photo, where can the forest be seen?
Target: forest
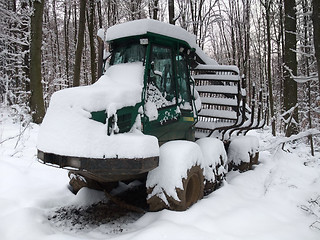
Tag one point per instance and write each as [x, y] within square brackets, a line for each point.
[48, 45]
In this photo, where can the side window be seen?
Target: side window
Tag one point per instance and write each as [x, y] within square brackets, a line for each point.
[161, 86]
[183, 82]
[128, 53]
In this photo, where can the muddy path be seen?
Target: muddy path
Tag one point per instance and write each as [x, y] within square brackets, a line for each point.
[117, 211]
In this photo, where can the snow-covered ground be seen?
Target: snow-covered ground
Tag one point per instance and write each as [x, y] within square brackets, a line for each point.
[279, 199]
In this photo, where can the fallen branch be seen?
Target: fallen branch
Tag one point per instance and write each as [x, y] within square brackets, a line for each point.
[283, 140]
[16, 136]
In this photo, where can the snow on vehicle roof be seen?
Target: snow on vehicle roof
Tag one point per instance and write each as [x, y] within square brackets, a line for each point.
[143, 26]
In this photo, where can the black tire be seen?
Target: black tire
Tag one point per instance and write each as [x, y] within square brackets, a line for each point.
[193, 189]
[254, 159]
[77, 181]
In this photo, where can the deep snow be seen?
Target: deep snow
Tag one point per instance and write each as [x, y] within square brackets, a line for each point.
[274, 201]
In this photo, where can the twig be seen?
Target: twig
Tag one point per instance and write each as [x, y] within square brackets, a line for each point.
[18, 135]
[21, 133]
[313, 225]
[8, 139]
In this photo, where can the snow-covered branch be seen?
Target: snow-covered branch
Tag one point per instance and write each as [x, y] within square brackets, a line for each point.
[281, 140]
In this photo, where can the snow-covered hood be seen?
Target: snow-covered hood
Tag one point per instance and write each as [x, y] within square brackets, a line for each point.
[120, 86]
[68, 130]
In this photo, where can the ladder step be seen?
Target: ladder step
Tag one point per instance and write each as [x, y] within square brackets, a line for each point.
[219, 101]
[217, 77]
[220, 68]
[213, 113]
[218, 89]
[212, 125]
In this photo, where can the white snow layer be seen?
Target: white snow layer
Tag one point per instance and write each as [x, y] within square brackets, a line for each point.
[143, 26]
[176, 157]
[269, 202]
[241, 148]
[68, 130]
[214, 154]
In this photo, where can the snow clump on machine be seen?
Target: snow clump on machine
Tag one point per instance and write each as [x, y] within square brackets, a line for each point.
[242, 148]
[214, 154]
[68, 129]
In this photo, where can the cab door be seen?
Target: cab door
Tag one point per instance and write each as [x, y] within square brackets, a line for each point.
[161, 96]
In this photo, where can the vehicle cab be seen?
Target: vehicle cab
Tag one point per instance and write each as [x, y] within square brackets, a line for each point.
[167, 109]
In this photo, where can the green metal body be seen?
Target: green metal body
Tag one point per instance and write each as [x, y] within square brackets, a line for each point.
[175, 118]
[173, 122]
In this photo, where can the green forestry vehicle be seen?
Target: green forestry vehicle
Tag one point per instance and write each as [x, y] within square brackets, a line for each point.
[155, 114]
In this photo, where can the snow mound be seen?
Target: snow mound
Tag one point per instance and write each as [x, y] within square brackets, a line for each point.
[68, 130]
[86, 197]
[176, 157]
[241, 148]
[214, 154]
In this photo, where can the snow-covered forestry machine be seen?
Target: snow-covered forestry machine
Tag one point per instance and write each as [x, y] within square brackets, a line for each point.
[162, 112]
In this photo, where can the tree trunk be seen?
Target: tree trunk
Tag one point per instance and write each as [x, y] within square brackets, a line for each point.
[99, 13]
[154, 9]
[273, 123]
[56, 38]
[66, 21]
[171, 11]
[25, 48]
[80, 43]
[290, 62]
[91, 41]
[316, 33]
[246, 60]
[100, 42]
[36, 99]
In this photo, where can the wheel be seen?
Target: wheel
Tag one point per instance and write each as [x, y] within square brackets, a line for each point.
[254, 159]
[243, 152]
[215, 162]
[193, 188]
[178, 181]
[77, 181]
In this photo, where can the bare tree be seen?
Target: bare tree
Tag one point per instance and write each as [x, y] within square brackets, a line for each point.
[80, 43]
[316, 33]
[267, 4]
[66, 23]
[290, 61]
[171, 12]
[154, 9]
[36, 98]
[90, 19]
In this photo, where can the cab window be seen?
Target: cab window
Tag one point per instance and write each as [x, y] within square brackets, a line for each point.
[128, 53]
[183, 82]
[161, 85]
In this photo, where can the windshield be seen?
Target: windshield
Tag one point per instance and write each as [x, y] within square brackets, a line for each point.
[128, 54]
